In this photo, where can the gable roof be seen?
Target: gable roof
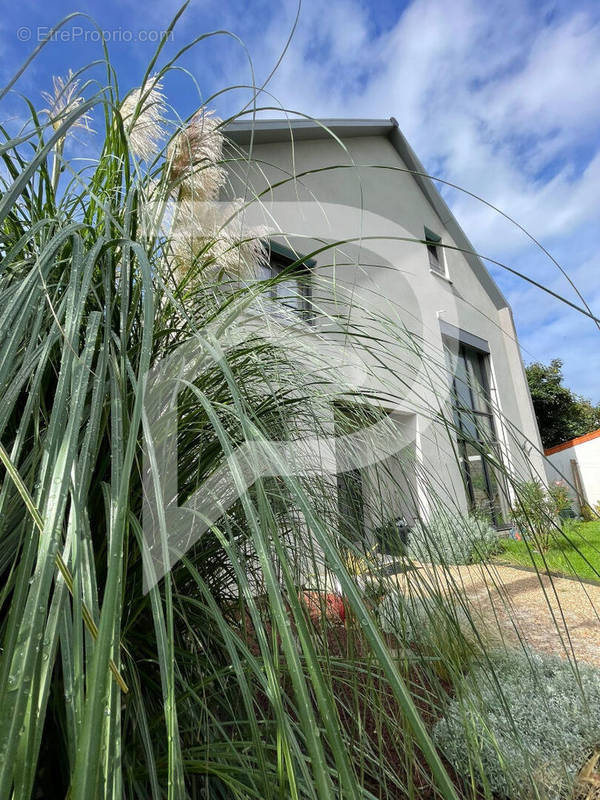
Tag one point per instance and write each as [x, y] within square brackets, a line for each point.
[265, 131]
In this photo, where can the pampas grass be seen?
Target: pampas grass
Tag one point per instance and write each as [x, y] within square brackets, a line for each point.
[194, 158]
[62, 100]
[143, 113]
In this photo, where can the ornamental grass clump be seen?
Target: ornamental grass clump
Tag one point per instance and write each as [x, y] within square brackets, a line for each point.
[523, 724]
[109, 687]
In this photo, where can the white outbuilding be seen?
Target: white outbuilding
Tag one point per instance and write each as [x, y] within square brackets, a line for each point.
[577, 464]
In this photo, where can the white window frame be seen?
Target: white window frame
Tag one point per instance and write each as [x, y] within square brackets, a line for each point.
[434, 240]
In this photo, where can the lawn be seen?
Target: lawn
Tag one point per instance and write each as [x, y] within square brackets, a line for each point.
[574, 552]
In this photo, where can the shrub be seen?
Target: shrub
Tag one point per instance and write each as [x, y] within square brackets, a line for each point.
[560, 497]
[535, 513]
[523, 725]
[587, 513]
[447, 539]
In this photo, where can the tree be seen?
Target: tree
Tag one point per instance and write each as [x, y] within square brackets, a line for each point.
[561, 414]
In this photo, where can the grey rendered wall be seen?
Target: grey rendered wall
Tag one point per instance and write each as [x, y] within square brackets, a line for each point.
[392, 279]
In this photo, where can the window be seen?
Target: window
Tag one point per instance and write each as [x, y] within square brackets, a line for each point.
[435, 252]
[293, 290]
[477, 441]
[348, 420]
[351, 504]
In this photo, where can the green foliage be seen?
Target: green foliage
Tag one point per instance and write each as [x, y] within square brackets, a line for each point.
[561, 414]
[588, 514]
[452, 539]
[561, 498]
[524, 725]
[535, 513]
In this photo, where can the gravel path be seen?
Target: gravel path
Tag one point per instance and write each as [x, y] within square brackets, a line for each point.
[552, 615]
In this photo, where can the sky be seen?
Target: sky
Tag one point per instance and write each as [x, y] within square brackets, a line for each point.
[501, 97]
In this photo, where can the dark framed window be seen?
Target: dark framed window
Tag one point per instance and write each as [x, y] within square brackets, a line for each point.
[479, 449]
[347, 420]
[435, 252]
[293, 287]
[351, 505]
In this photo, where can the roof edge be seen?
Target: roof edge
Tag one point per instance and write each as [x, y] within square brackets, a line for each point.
[265, 131]
[272, 130]
[587, 437]
[429, 189]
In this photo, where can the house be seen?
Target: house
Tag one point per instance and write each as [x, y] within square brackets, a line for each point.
[577, 464]
[364, 234]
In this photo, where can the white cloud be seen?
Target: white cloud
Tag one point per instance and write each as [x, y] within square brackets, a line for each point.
[557, 89]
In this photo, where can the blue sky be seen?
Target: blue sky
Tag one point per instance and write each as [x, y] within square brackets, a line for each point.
[501, 97]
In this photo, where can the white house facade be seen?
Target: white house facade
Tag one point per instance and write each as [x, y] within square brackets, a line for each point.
[371, 238]
[576, 464]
